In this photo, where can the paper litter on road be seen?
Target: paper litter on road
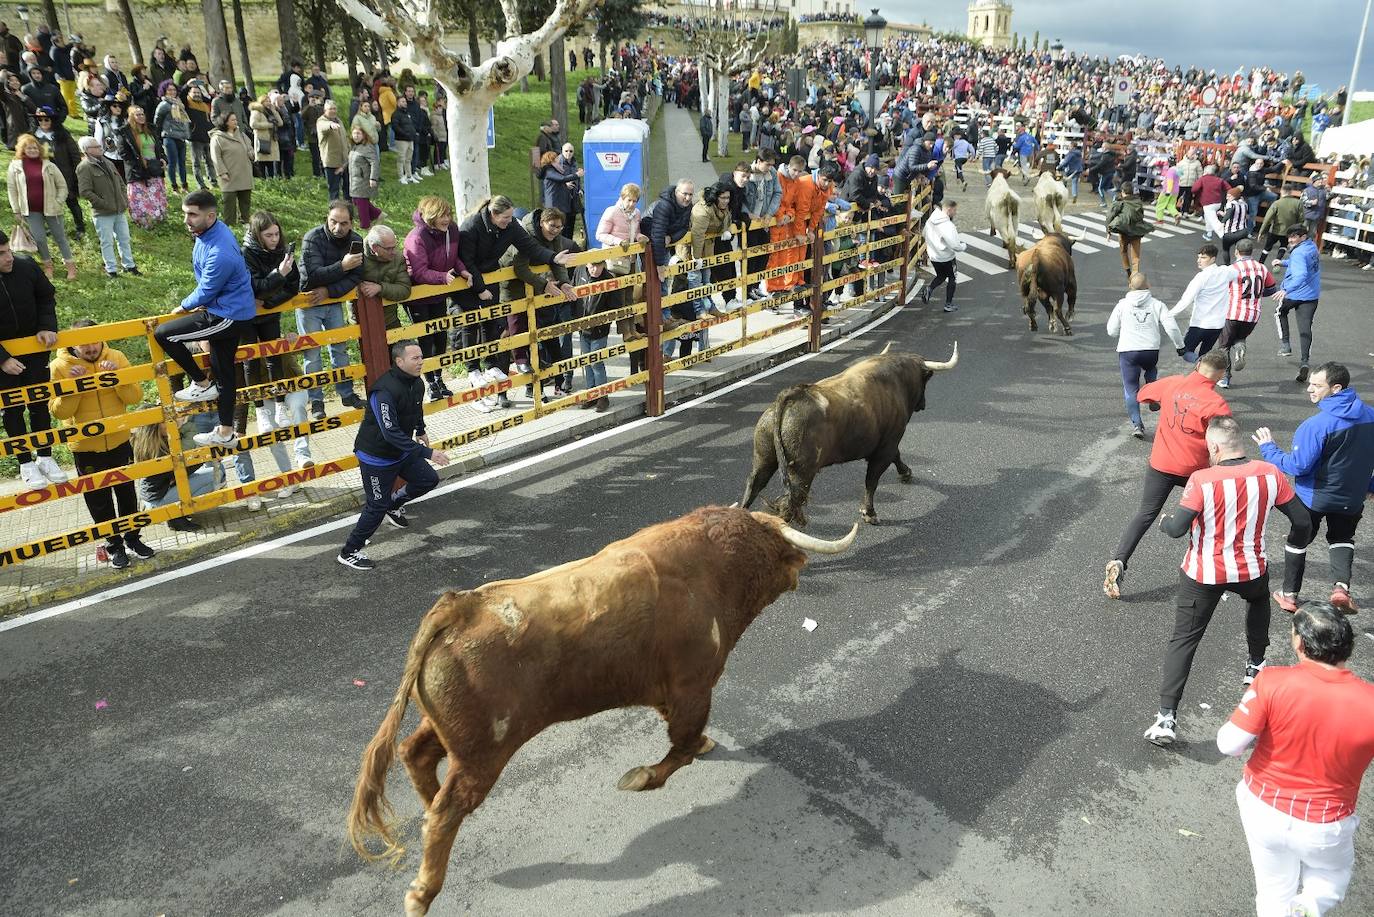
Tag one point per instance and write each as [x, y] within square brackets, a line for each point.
[359, 683]
[186, 769]
[1084, 819]
[808, 624]
[1186, 833]
[1205, 706]
[101, 704]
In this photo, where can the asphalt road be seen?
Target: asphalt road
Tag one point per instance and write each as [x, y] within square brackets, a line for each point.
[960, 734]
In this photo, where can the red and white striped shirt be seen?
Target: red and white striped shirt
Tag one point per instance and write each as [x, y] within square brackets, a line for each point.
[1232, 502]
[1247, 289]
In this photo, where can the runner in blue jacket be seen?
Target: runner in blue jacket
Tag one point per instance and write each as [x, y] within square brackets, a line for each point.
[1299, 291]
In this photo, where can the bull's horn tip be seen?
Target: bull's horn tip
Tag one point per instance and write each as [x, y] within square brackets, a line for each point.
[735, 505]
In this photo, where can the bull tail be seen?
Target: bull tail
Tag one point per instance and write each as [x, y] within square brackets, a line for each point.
[371, 814]
[780, 451]
[1030, 288]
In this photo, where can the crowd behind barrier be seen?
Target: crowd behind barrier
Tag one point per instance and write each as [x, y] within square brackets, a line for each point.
[195, 481]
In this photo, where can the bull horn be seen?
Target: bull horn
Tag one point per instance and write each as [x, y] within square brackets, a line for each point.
[817, 545]
[940, 367]
[1082, 235]
[886, 349]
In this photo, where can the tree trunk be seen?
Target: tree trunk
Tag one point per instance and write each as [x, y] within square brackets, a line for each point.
[720, 86]
[379, 50]
[601, 55]
[350, 42]
[558, 84]
[474, 37]
[467, 145]
[318, 53]
[50, 15]
[217, 42]
[126, 18]
[290, 36]
[539, 73]
[243, 47]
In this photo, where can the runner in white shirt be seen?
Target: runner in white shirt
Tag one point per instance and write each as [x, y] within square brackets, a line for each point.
[1209, 293]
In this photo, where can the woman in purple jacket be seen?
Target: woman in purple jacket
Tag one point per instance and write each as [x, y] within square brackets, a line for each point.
[432, 256]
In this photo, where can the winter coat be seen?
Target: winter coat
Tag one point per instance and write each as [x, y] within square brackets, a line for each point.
[321, 262]
[363, 169]
[31, 301]
[96, 404]
[390, 275]
[1127, 218]
[438, 124]
[594, 303]
[98, 182]
[526, 281]
[431, 254]
[199, 114]
[403, 125]
[1313, 202]
[1282, 215]
[270, 287]
[1302, 276]
[46, 93]
[333, 142]
[1136, 320]
[371, 129]
[706, 222]
[1189, 171]
[136, 168]
[65, 154]
[617, 226]
[172, 120]
[1333, 455]
[54, 188]
[483, 244]
[668, 223]
[419, 118]
[264, 120]
[560, 188]
[386, 101]
[233, 157]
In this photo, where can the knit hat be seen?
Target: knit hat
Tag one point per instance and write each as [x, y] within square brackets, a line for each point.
[872, 160]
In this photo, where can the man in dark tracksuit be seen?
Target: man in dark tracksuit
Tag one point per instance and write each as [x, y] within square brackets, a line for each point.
[1332, 463]
[391, 443]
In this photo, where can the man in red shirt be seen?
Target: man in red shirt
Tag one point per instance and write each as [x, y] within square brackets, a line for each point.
[1187, 404]
[1224, 508]
[1313, 729]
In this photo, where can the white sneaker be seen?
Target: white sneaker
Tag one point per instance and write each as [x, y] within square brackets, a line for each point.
[495, 375]
[426, 172]
[265, 421]
[283, 418]
[284, 492]
[214, 439]
[197, 392]
[475, 379]
[51, 470]
[254, 504]
[1162, 732]
[481, 406]
[492, 402]
[1338, 254]
[31, 476]
[522, 368]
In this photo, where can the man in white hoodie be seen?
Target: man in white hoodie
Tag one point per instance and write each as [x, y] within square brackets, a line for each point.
[1135, 323]
[942, 244]
[1209, 293]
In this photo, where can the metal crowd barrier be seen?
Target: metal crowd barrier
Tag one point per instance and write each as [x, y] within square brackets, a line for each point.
[374, 341]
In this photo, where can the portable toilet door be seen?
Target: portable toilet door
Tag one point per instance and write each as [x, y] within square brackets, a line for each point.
[615, 152]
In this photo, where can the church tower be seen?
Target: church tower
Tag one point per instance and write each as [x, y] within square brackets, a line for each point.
[990, 21]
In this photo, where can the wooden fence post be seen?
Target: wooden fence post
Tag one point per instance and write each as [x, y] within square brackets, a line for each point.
[653, 325]
[817, 295]
[376, 352]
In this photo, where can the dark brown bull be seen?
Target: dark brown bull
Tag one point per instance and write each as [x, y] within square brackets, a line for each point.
[648, 621]
[859, 414]
[1045, 274]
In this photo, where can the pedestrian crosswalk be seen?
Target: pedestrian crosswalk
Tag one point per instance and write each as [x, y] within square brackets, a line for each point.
[985, 253]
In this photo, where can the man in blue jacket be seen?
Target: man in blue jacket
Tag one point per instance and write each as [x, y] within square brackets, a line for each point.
[215, 312]
[1025, 146]
[1332, 464]
[1299, 291]
[391, 443]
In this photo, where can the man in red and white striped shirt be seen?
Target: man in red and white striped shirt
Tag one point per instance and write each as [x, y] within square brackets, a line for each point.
[1224, 507]
[1243, 310]
[1313, 729]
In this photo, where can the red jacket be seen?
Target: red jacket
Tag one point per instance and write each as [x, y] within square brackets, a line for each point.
[1209, 189]
[1186, 405]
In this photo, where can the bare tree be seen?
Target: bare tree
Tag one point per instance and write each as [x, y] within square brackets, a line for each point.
[471, 89]
[217, 41]
[126, 18]
[723, 46]
[290, 35]
[243, 48]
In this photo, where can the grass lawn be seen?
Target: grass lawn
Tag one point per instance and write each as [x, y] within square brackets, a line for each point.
[1360, 111]
[164, 252]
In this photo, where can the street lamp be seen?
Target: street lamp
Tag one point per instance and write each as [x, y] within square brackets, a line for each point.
[1355, 70]
[873, 36]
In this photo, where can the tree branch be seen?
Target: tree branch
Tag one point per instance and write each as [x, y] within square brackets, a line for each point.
[394, 21]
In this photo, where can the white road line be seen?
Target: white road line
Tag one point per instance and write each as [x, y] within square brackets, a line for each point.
[461, 483]
[1090, 230]
[984, 243]
[987, 267]
[1037, 233]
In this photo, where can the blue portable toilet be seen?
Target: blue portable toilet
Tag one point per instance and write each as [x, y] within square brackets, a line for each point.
[614, 153]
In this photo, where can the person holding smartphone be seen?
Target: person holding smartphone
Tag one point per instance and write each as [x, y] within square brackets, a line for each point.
[331, 267]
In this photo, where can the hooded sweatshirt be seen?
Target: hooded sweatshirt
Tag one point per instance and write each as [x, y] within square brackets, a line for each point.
[1333, 455]
[1136, 321]
[942, 238]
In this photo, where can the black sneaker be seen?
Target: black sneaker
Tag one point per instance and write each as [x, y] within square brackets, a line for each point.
[397, 517]
[1252, 669]
[133, 270]
[925, 294]
[951, 307]
[355, 559]
[317, 410]
[134, 543]
[353, 401]
[1138, 431]
[119, 558]
[1302, 374]
[183, 524]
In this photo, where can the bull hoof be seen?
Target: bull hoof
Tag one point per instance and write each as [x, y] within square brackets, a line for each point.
[635, 779]
[708, 744]
[870, 518]
[1068, 332]
[416, 904]
[907, 478]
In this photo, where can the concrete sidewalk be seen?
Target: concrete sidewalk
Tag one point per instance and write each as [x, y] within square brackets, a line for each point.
[684, 149]
[70, 573]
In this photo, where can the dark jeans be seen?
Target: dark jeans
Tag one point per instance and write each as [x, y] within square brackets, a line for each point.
[1229, 240]
[263, 328]
[1136, 365]
[222, 334]
[1200, 339]
[1155, 494]
[431, 345]
[754, 238]
[176, 161]
[1193, 608]
[1307, 310]
[101, 503]
[705, 149]
[316, 168]
[944, 273]
[337, 182]
[419, 477]
[1233, 333]
[35, 371]
[1340, 545]
[477, 332]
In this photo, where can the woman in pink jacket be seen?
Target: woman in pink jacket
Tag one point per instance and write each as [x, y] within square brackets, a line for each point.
[1166, 201]
[432, 258]
[618, 225]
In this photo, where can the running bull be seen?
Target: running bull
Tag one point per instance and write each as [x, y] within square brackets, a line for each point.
[859, 414]
[1003, 208]
[1045, 275]
[1051, 197]
[647, 621]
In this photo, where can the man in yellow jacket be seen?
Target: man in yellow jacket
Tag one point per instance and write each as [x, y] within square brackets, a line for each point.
[97, 454]
[386, 105]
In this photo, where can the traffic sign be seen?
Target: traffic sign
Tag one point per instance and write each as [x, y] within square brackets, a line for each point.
[1209, 96]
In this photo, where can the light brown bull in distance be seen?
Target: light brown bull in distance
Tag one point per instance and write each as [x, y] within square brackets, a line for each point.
[859, 414]
[1044, 273]
[648, 621]
[1003, 209]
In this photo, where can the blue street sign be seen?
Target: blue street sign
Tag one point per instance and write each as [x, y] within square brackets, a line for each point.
[491, 128]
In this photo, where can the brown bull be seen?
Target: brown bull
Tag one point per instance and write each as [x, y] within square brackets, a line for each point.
[648, 621]
[1045, 274]
[859, 414]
